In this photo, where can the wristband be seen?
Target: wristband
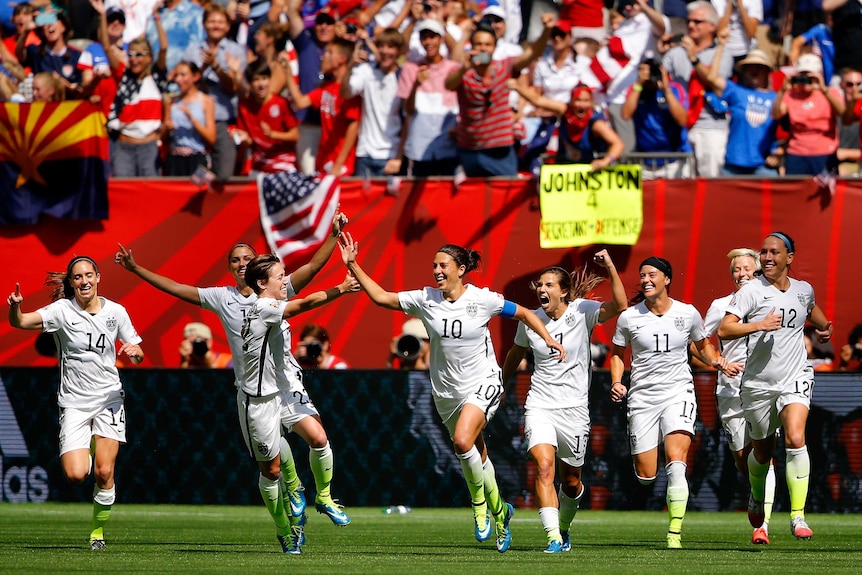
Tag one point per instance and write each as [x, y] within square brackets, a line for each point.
[695, 61]
[637, 88]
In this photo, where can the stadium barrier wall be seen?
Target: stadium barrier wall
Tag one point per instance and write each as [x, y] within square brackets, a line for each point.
[184, 232]
[185, 447]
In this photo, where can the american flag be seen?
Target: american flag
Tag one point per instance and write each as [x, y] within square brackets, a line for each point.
[296, 211]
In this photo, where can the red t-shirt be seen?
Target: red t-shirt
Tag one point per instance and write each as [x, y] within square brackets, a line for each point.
[583, 13]
[336, 113]
[268, 155]
[486, 118]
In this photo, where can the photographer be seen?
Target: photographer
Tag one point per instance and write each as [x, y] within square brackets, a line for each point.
[658, 108]
[196, 350]
[410, 350]
[851, 354]
[811, 109]
[313, 349]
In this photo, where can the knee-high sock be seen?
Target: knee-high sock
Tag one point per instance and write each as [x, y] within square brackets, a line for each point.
[568, 508]
[288, 467]
[103, 499]
[271, 494]
[550, 517]
[798, 471]
[768, 495]
[677, 494]
[757, 477]
[492, 492]
[471, 464]
[321, 466]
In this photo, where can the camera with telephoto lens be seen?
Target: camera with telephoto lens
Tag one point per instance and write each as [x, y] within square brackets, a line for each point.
[801, 80]
[654, 70]
[857, 352]
[350, 28]
[200, 347]
[409, 347]
[313, 349]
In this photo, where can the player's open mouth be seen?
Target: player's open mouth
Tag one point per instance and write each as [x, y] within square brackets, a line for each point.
[544, 300]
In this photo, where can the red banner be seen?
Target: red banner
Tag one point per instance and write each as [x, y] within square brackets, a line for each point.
[183, 233]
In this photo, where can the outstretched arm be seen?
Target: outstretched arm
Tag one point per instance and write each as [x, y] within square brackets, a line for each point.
[184, 292]
[306, 272]
[619, 302]
[378, 295]
[533, 322]
[19, 319]
[297, 306]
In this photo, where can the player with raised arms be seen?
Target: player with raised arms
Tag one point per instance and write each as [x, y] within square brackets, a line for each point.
[744, 264]
[770, 313]
[557, 418]
[231, 304]
[271, 392]
[86, 330]
[661, 399]
[465, 377]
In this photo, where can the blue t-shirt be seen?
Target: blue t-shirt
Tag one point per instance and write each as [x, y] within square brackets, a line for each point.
[655, 128]
[821, 34]
[44, 61]
[309, 55]
[752, 129]
[585, 149]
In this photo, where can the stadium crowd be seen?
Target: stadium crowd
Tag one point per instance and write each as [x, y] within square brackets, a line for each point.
[438, 87]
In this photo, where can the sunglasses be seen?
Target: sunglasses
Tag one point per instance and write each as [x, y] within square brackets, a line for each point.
[138, 54]
[695, 21]
[851, 84]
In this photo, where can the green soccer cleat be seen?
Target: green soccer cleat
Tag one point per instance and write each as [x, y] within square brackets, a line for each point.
[674, 541]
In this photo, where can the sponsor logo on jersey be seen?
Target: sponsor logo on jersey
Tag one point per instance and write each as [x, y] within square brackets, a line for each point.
[472, 309]
[19, 482]
[679, 323]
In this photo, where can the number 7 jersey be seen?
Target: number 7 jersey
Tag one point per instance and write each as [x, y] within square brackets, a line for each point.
[775, 358]
[462, 354]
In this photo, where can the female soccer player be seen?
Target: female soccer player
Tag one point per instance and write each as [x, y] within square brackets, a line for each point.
[232, 304]
[744, 264]
[465, 377]
[271, 393]
[661, 400]
[770, 312]
[557, 421]
[86, 328]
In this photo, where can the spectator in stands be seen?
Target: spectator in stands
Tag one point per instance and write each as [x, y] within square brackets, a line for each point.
[310, 46]
[196, 350]
[819, 38]
[269, 44]
[410, 349]
[486, 137]
[851, 353]
[452, 15]
[48, 88]
[820, 355]
[314, 349]
[616, 64]
[430, 109]
[22, 18]
[380, 142]
[495, 16]
[53, 54]
[135, 118]
[846, 32]
[189, 126]
[183, 21]
[742, 17]
[586, 137]
[752, 130]
[657, 107]
[812, 109]
[707, 126]
[212, 57]
[267, 124]
[246, 17]
[137, 13]
[339, 117]
[848, 153]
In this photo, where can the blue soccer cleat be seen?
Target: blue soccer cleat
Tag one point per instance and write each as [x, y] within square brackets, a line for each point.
[482, 521]
[504, 536]
[332, 510]
[297, 502]
[554, 546]
[567, 543]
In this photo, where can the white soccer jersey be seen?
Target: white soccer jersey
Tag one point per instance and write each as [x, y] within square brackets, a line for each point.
[660, 369]
[232, 307]
[775, 358]
[265, 335]
[462, 354]
[88, 351]
[556, 384]
[733, 350]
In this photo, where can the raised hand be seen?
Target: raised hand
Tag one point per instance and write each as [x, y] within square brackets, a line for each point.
[339, 221]
[132, 350]
[15, 298]
[124, 258]
[603, 258]
[349, 248]
[349, 285]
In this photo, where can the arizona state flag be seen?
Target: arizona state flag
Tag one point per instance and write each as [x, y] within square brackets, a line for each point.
[53, 161]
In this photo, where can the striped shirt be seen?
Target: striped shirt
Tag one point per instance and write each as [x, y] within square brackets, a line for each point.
[486, 118]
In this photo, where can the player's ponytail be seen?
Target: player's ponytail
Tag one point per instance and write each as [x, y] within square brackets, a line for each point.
[470, 259]
[59, 281]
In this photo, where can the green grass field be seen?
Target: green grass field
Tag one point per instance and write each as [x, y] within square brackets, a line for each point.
[51, 538]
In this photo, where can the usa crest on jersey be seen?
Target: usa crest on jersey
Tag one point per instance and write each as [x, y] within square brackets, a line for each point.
[801, 298]
[679, 323]
[472, 309]
[111, 323]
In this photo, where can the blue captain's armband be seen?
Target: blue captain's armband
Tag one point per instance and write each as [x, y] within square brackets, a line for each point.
[509, 309]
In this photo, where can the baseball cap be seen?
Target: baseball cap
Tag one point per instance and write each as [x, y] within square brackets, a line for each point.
[563, 26]
[114, 13]
[494, 10]
[198, 329]
[414, 327]
[431, 25]
[326, 14]
[809, 63]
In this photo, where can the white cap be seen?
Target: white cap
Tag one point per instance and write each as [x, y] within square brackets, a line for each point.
[414, 327]
[494, 10]
[431, 25]
[198, 329]
[810, 63]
